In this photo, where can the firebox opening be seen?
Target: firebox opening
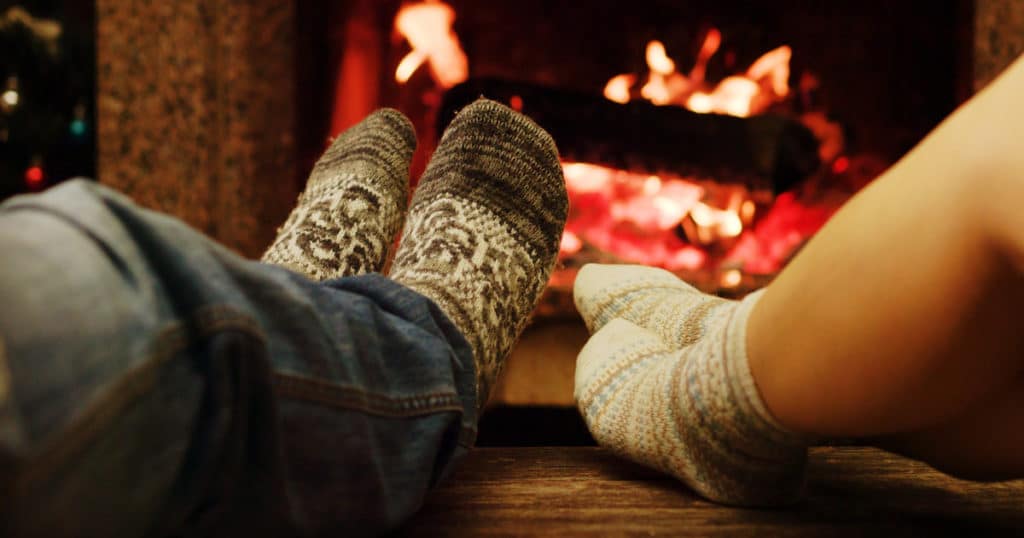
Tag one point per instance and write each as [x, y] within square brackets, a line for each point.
[712, 138]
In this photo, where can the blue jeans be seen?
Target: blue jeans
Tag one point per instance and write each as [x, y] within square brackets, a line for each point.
[152, 383]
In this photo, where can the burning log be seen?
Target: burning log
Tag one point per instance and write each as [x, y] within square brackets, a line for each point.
[765, 152]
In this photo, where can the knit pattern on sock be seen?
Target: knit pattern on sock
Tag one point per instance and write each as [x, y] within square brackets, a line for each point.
[354, 202]
[691, 410]
[484, 228]
[652, 298]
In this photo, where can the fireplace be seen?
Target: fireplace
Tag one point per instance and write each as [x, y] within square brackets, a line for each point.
[267, 83]
[711, 138]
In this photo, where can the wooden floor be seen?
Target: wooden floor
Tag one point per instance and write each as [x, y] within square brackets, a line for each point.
[554, 491]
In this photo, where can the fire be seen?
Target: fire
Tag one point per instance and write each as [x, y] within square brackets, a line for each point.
[677, 223]
[617, 88]
[765, 82]
[681, 224]
[779, 232]
[687, 225]
[731, 278]
[427, 26]
[650, 219]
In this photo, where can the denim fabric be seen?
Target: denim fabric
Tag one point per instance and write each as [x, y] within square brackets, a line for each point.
[154, 383]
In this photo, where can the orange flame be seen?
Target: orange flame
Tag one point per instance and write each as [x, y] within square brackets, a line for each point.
[773, 65]
[617, 88]
[427, 26]
[657, 60]
[708, 49]
[765, 82]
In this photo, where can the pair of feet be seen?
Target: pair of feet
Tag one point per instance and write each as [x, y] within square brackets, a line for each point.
[663, 381]
[481, 233]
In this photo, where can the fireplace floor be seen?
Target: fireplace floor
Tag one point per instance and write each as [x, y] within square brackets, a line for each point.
[540, 370]
[560, 491]
[526, 480]
[532, 403]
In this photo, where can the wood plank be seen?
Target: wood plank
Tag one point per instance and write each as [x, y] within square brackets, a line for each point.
[853, 491]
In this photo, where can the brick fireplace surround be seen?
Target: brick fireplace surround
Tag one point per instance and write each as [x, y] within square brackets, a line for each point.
[198, 111]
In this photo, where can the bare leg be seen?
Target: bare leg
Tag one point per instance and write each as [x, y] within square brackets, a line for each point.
[896, 323]
[899, 318]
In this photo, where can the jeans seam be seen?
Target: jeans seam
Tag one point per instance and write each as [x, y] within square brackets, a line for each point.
[59, 448]
[354, 399]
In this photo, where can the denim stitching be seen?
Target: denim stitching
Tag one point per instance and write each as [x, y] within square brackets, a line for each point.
[63, 445]
[134, 383]
[351, 398]
[173, 339]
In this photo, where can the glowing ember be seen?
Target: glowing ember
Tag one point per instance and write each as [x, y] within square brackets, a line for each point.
[782, 229]
[731, 278]
[653, 220]
[428, 28]
[570, 244]
[766, 82]
[670, 222]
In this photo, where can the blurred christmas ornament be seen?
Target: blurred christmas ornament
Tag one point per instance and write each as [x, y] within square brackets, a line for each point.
[10, 98]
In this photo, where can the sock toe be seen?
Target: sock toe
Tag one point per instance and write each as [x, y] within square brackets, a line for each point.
[353, 204]
[611, 355]
[650, 297]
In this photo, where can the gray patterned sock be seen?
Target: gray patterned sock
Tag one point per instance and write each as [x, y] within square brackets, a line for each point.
[484, 228]
[353, 203]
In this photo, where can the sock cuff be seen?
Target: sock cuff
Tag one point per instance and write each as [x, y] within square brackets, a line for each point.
[742, 382]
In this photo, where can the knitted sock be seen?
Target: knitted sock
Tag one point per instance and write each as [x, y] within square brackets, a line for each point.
[353, 203]
[652, 298]
[664, 381]
[484, 228]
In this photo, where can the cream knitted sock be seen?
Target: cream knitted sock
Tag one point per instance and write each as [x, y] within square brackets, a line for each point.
[664, 381]
[353, 204]
[484, 227]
